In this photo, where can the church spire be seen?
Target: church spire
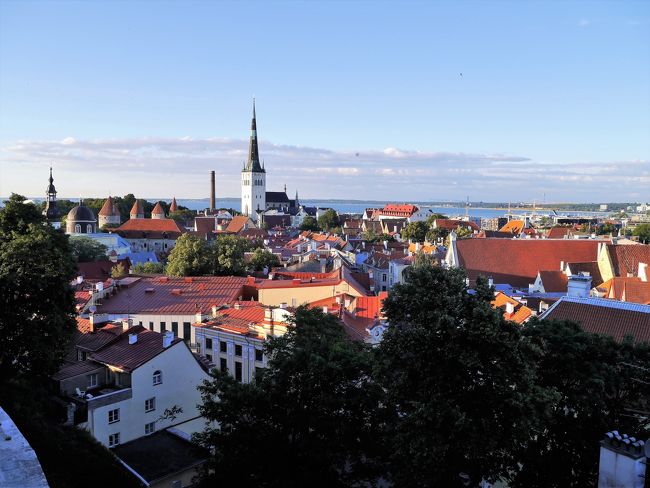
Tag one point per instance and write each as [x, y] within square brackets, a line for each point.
[253, 163]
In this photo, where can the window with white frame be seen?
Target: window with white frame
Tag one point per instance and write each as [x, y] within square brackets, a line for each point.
[92, 380]
[157, 377]
[150, 404]
[113, 416]
[149, 428]
[114, 439]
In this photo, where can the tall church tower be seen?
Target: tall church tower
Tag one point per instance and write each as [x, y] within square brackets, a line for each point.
[253, 178]
[51, 211]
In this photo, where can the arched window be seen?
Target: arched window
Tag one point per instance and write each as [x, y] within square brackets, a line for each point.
[157, 377]
[77, 229]
[89, 229]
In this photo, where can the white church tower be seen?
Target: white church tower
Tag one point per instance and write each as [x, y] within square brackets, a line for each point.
[253, 178]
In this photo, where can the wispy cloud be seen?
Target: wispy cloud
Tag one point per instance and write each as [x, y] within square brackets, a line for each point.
[157, 166]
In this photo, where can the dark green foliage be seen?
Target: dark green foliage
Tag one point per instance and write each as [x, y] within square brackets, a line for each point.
[86, 250]
[415, 231]
[370, 236]
[36, 301]
[434, 234]
[642, 231]
[193, 256]
[308, 420]
[461, 381]
[329, 220]
[309, 223]
[148, 268]
[594, 382]
[183, 215]
[264, 259]
[189, 257]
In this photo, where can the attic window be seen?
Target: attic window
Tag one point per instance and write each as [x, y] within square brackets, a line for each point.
[149, 290]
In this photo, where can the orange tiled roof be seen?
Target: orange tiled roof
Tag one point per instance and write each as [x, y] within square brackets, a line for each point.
[558, 232]
[237, 224]
[514, 227]
[520, 313]
[173, 207]
[626, 259]
[137, 208]
[628, 289]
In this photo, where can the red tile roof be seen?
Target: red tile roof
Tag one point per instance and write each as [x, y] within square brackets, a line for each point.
[453, 224]
[558, 232]
[205, 226]
[158, 210]
[108, 209]
[626, 258]
[520, 313]
[150, 228]
[129, 357]
[554, 281]
[175, 296]
[81, 299]
[237, 319]
[399, 210]
[100, 270]
[173, 207]
[517, 261]
[238, 223]
[367, 312]
[601, 316]
[630, 289]
[137, 208]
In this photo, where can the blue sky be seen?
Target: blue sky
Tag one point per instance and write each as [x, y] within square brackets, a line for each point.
[355, 99]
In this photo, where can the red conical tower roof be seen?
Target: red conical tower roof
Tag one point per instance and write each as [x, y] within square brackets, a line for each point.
[158, 210]
[108, 208]
[137, 208]
[173, 207]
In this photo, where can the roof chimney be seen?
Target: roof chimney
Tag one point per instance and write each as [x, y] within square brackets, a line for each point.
[212, 192]
[324, 309]
[579, 286]
[510, 308]
[168, 338]
[126, 325]
[133, 338]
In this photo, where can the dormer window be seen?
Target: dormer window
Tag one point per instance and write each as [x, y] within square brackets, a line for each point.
[157, 377]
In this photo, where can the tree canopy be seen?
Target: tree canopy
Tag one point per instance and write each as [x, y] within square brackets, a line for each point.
[37, 305]
[309, 223]
[86, 250]
[459, 378]
[415, 231]
[189, 257]
[315, 408]
[642, 231]
[264, 259]
[329, 220]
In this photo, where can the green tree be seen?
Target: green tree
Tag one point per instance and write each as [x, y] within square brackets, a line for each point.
[264, 259]
[433, 234]
[148, 268]
[415, 231]
[329, 220]
[191, 256]
[309, 223]
[315, 408]
[118, 271]
[642, 231]
[183, 215]
[36, 301]
[227, 256]
[370, 236]
[593, 382]
[459, 378]
[86, 250]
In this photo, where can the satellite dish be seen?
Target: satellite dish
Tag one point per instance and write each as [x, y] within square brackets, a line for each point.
[646, 448]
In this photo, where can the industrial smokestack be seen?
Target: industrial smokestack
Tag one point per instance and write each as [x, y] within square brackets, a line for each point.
[212, 191]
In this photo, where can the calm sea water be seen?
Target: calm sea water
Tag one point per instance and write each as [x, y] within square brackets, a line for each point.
[342, 207]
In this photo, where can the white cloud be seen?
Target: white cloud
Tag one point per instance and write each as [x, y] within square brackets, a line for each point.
[158, 166]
